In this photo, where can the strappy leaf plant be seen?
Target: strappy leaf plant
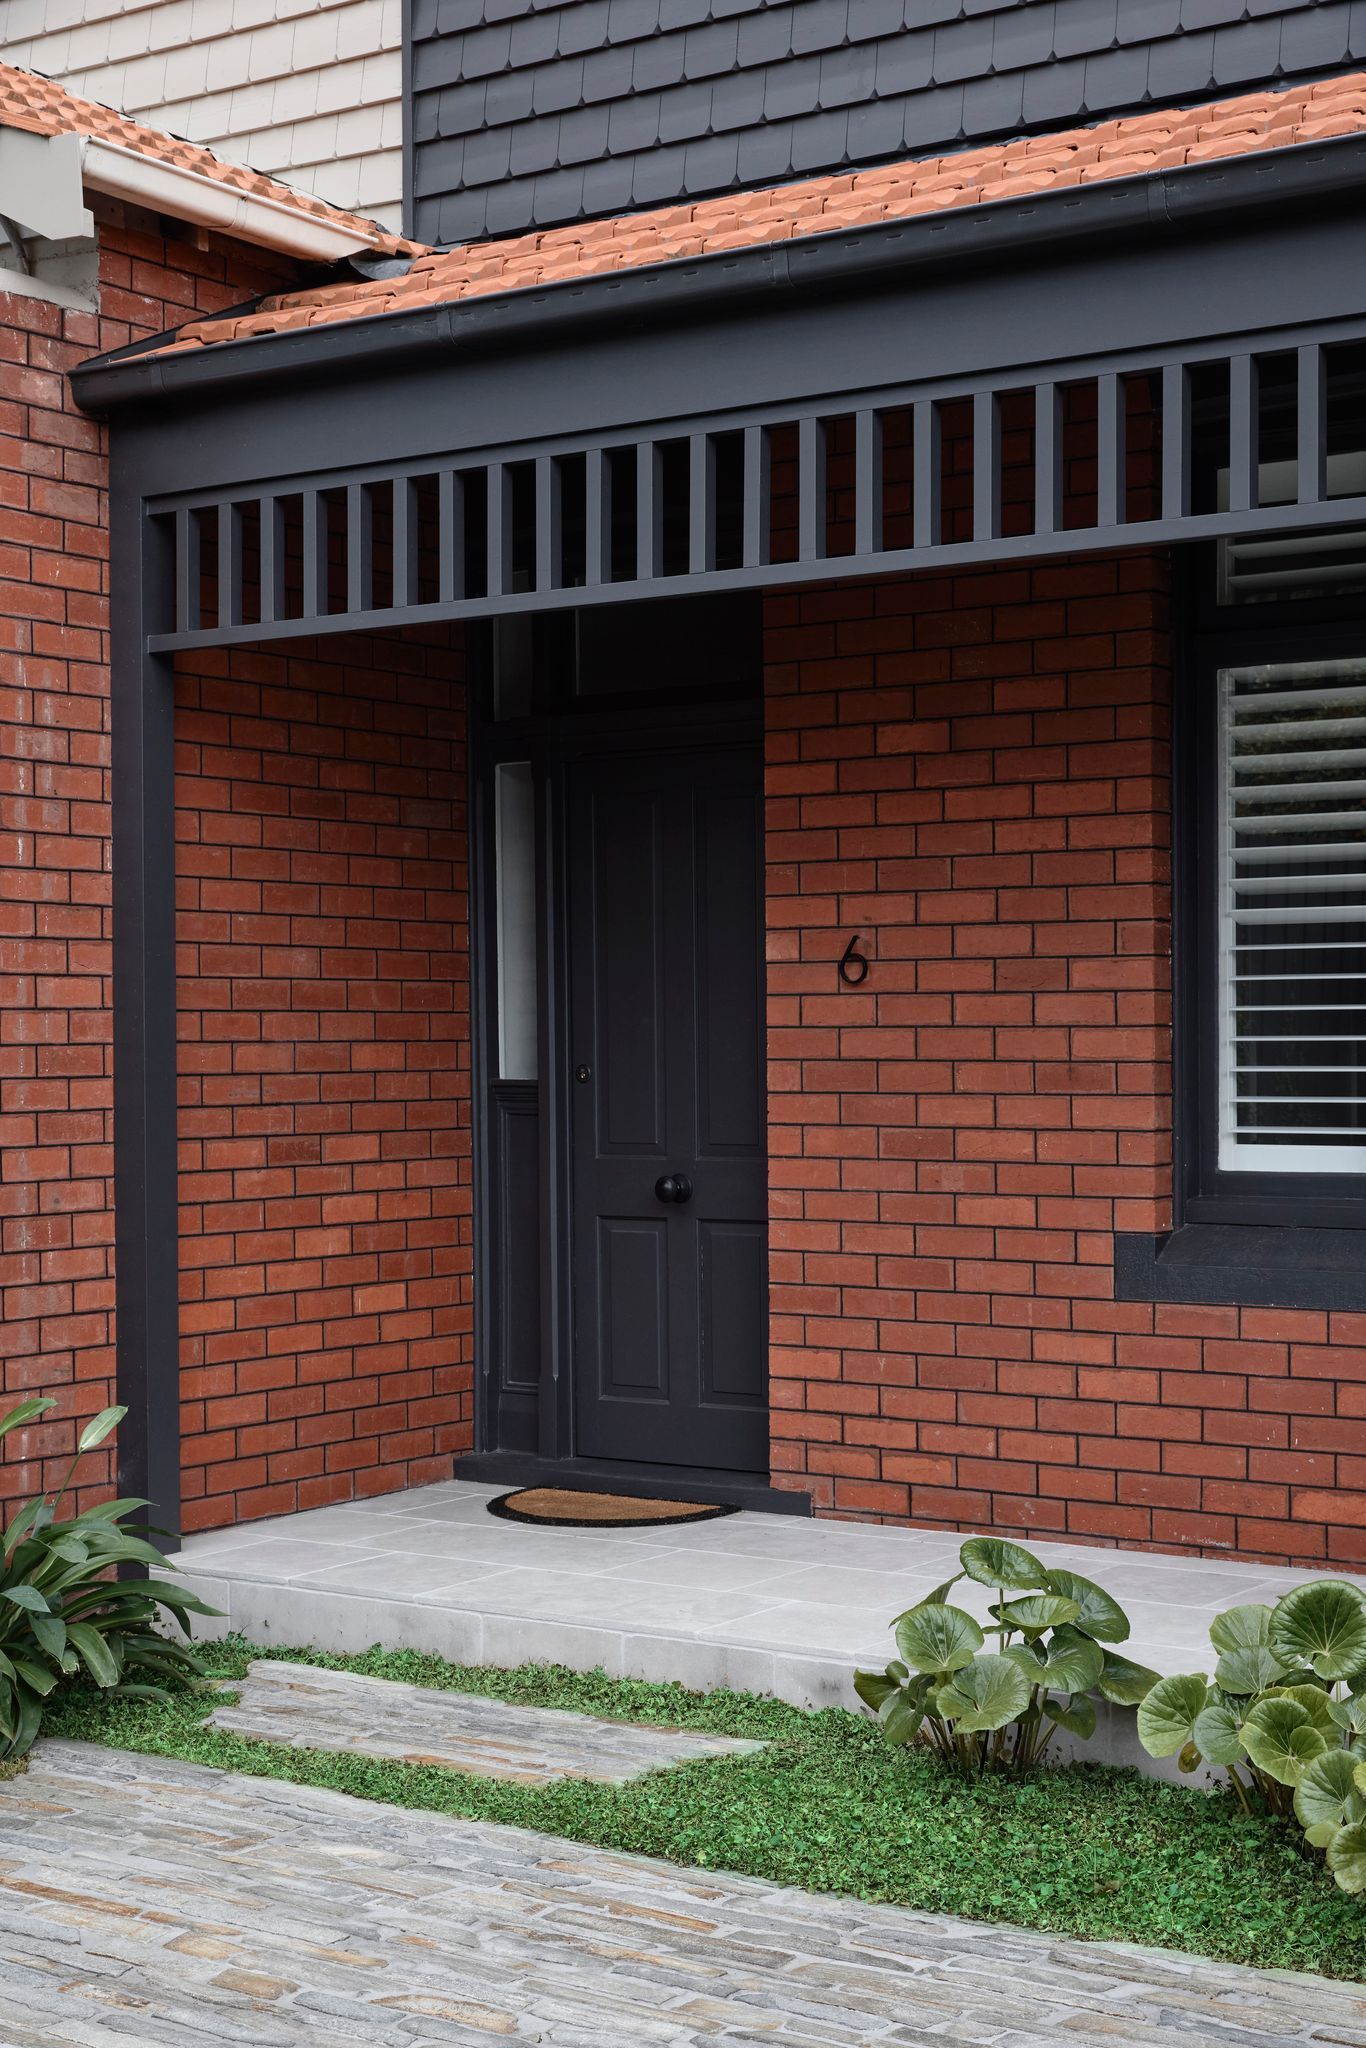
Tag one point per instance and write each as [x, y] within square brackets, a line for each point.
[1284, 1715]
[62, 1610]
[1053, 1659]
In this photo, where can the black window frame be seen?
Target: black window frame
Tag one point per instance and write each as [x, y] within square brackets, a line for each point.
[1209, 637]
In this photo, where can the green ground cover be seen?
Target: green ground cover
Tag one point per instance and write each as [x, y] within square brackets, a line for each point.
[830, 1806]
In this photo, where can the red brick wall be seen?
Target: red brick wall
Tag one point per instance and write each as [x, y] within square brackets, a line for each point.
[971, 773]
[324, 1074]
[56, 1214]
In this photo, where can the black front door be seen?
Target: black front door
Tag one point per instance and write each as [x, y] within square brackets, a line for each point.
[668, 1102]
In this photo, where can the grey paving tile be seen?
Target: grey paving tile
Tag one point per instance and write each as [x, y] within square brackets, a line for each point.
[309, 1708]
[152, 1904]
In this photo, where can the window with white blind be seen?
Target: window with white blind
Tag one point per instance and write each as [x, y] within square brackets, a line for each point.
[1291, 839]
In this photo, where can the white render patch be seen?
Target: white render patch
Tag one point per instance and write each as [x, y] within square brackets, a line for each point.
[309, 1707]
[307, 91]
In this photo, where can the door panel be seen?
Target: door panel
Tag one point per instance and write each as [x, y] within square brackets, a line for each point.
[666, 971]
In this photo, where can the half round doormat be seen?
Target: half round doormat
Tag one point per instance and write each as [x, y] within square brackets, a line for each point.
[562, 1508]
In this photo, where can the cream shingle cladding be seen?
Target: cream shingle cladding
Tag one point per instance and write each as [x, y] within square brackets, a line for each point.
[308, 91]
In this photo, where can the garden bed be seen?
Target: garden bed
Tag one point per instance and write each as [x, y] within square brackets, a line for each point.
[829, 1806]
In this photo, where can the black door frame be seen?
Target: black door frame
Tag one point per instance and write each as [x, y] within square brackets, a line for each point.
[553, 743]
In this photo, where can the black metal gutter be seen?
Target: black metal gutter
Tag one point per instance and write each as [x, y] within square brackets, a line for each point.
[1188, 199]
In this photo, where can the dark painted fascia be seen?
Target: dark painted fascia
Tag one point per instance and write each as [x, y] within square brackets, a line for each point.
[1194, 197]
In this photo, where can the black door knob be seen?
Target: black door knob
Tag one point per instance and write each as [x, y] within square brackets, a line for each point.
[673, 1187]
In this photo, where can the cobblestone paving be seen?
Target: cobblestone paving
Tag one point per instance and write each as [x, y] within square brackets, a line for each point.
[310, 1708]
[152, 1904]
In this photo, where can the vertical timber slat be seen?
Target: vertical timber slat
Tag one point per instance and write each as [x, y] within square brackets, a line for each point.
[927, 519]
[598, 518]
[405, 525]
[1110, 482]
[868, 482]
[1311, 427]
[187, 570]
[450, 528]
[272, 519]
[499, 537]
[986, 466]
[360, 547]
[649, 512]
[549, 537]
[1242, 434]
[701, 504]
[1048, 459]
[315, 555]
[758, 497]
[1176, 441]
[229, 563]
[811, 489]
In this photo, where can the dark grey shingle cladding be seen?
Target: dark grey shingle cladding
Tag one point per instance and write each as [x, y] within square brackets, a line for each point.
[531, 115]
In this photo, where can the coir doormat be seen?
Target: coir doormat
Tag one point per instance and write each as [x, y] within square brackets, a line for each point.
[560, 1507]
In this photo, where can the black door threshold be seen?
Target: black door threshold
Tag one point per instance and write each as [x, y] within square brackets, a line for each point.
[652, 1482]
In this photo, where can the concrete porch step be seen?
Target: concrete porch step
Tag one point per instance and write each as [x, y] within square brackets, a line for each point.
[762, 1603]
[310, 1708]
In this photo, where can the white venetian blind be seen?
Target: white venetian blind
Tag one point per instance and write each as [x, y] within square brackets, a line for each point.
[1292, 829]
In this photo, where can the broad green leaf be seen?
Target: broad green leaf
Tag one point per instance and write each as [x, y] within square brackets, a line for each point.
[27, 1411]
[1280, 1738]
[1074, 1661]
[935, 1599]
[1327, 1798]
[1350, 1713]
[49, 1632]
[1218, 1734]
[93, 1651]
[27, 1597]
[938, 1638]
[1241, 1628]
[1100, 1615]
[1249, 1670]
[1347, 1856]
[1123, 1683]
[873, 1687]
[988, 1693]
[901, 1717]
[1029, 1657]
[1008, 1566]
[34, 1514]
[1316, 1703]
[1168, 1713]
[35, 1675]
[1076, 1715]
[99, 1427]
[1323, 1625]
[1037, 1612]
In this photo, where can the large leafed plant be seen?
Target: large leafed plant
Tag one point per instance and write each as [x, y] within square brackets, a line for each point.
[1053, 1659]
[63, 1610]
[1285, 1715]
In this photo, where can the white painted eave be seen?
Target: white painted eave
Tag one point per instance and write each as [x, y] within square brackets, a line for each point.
[121, 173]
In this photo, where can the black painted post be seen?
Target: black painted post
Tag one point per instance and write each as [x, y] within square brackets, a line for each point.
[142, 579]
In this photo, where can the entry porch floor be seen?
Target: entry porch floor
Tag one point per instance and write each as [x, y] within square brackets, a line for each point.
[763, 1603]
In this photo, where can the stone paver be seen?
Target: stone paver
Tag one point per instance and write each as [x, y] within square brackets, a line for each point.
[311, 1708]
[152, 1904]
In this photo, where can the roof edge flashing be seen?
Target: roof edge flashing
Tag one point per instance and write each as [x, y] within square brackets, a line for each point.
[1158, 202]
[270, 223]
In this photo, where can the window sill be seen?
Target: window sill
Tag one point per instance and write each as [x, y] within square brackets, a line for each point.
[1244, 1265]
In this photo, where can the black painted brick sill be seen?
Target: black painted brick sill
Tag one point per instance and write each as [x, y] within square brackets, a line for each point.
[1244, 1266]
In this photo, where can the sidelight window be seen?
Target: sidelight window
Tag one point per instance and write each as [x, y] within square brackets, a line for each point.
[515, 889]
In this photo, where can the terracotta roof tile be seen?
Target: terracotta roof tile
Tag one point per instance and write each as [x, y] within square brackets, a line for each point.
[42, 107]
[1163, 139]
